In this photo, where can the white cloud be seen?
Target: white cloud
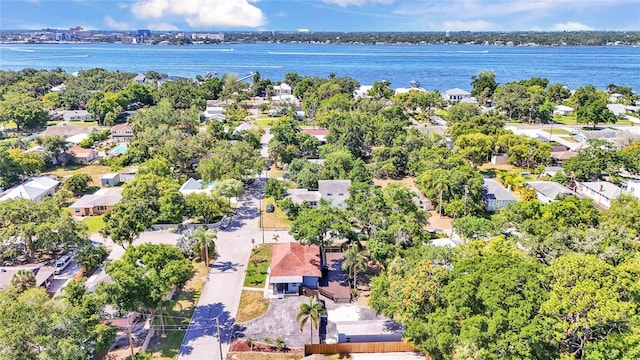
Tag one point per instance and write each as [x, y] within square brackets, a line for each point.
[203, 13]
[163, 26]
[346, 3]
[474, 25]
[571, 26]
[113, 24]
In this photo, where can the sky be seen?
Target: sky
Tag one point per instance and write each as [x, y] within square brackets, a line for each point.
[322, 15]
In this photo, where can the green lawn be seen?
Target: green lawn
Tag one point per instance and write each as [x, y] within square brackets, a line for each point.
[262, 121]
[258, 264]
[556, 131]
[276, 173]
[276, 219]
[94, 223]
[442, 113]
[168, 346]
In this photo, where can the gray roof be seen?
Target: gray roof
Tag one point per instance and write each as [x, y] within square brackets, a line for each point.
[369, 327]
[605, 188]
[456, 91]
[32, 189]
[102, 197]
[550, 189]
[298, 196]
[334, 186]
[495, 191]
[600, 134]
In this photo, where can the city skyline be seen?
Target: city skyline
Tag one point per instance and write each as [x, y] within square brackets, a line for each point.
[322, 15]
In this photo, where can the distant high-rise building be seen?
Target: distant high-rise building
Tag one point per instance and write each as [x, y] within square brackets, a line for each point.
[144, 33]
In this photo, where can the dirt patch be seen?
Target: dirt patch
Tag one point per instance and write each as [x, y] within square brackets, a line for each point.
[437, 221]
[259, 347]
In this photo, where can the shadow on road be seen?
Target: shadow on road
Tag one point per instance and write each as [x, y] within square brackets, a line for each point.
[211, 320]
[226, 266]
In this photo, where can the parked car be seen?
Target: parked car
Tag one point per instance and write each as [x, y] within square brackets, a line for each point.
[62, 264]
[270, 208]
[286, 176]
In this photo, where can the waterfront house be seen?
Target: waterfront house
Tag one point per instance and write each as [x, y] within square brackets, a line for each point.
[98, 203]
[602, 192]
[76, 115]
[140, 78]
[335, 191]
[293, 266]
[496, 196]
[282, 89]
[122, 132]
[35, 189]
[362, 92]
[456, 94]
[549, 191]
[83, 156]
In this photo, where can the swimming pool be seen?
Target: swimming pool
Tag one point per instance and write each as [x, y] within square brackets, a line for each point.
[120, 149]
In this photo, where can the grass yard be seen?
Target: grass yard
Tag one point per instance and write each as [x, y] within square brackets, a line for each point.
[567, 120]
[84, 123]
[169, 344]
[557, 131]
[94, 223]
[266, 120]
[442, 113]
[252, 305]
[258, 264]
[276, 219]
[275, 173]
[94, 170]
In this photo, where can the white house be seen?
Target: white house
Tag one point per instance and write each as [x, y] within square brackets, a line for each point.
[456, 94]
[59, 88]
[193, 186]
[496, 196]
[300, 196]
[602, 192]
[214, 113]
[336, 191]
[111, 179]
[76, 115]
[34, 189]
[362, 92]
[549, 191]
[562, 110]
[282, 89]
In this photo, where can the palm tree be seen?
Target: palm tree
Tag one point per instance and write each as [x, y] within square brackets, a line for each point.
[23, 280]
[354, 262]
[205, 244]
[310, 311]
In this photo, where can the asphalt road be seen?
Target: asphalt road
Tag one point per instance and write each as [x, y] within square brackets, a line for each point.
[212, 327]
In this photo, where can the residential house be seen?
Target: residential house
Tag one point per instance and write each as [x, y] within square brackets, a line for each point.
[82, 155]
[128, 174]
[456, 94]
[59, 88]
[170, 78]
[602, 192]
[615, 97]
[301, 196]
[362, 92]
[496, 196]
[102, 201]
[35, 189]
[549, 191]
[293, 266]
[140, 78]
[77, 138]
[621, 109]
[214, 113]
[336, 191]
[605, 134]
[111, 179]
[193, 186]
[551, 171]
[559, 157]
[122, 133]
[633, 188]
[562, 110]
[44, 275]
[282, 89]
[406, 90]
[76, 115]
[369, 331]
[320, 134]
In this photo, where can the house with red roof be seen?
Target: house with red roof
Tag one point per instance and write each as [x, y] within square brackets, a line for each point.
[293, 266]
[320, 134]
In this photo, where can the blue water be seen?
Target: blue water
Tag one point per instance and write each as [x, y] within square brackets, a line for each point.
[120, 149]
[435, 66]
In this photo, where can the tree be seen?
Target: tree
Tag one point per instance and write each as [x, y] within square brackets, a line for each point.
[381, 90]
[472, 228]
[595, 113]
[206, 208]
[90, 257]
[25, 111]
[354, 262]
[474, 147]
[23, 280]
[101, 105]
[77, 183]
[229, 188]
[310, 312]
[231, 161]
[593, 161]
[126, 221]
[275, 188]
[47, 226]
[483, 85]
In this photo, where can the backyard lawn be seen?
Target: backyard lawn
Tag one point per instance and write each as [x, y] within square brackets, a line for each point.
[94, 223]
[277, 219]
[94, 170]
[252, 305]
[258, 265]
[169, 344]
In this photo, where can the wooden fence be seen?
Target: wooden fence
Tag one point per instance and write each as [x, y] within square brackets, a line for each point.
[353, 348]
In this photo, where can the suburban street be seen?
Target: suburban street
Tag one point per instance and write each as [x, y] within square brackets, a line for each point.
[214, 317]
